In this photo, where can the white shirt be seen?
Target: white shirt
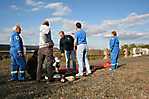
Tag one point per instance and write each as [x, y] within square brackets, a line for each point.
[43, 30]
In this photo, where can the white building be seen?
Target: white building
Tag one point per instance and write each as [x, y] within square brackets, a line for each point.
[145, 51]
[140, 51]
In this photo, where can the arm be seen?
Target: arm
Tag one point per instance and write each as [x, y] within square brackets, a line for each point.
[75, 41]
[112, 43]
[18, 44]
[49, 41]
[61, 46]
[72, 42]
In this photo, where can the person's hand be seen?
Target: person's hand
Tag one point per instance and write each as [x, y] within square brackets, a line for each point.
[20, 54]
[62, 54]
[75, 47]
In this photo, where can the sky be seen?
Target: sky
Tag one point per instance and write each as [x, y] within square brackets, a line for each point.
[130, 18]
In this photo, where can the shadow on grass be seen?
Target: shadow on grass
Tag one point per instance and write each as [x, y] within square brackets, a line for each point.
[95, 67]
[4, 90]
[121, 65]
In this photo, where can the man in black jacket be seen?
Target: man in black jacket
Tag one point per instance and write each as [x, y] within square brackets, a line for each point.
[67, 48]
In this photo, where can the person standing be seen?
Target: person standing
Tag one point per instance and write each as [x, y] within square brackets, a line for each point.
[82, 50]
[114, 50]
[67, 47]
[45, 51]
[18, 62]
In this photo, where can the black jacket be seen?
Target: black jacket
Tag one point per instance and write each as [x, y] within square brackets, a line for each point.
[66, 43]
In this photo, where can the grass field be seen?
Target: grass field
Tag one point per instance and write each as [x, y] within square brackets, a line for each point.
[129, 81]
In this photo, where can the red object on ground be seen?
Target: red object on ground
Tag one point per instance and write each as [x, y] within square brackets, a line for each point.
[63, 69]
[99, 65]
[107, 64]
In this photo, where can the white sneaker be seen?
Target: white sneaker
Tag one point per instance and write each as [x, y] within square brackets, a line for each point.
[88, 73]
[79, 75]
[110, 69]
[46, 78]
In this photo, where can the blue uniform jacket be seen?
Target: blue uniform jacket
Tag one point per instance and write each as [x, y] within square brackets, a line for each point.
[114, 44]
[16, 44]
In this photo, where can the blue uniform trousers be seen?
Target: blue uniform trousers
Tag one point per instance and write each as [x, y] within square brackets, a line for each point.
[114, 58]
[17, 66]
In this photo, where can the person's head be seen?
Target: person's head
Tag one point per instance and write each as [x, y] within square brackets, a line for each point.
[61, 34]
[45, 23]
[78, 25]
[17, 28]
[114, 33]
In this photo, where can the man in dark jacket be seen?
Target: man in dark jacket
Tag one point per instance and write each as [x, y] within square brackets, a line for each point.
[67, 48]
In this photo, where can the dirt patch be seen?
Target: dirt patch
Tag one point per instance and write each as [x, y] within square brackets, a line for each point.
[129, 81]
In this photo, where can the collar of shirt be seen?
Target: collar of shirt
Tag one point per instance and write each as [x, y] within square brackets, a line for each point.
[78, 29]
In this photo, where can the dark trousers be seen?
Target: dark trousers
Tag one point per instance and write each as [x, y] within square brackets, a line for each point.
[45, 53]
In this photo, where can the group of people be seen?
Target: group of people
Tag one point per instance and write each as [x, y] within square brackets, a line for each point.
[71, 47]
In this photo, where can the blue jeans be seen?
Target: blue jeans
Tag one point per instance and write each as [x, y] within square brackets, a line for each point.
[82, 51]
[70, 55]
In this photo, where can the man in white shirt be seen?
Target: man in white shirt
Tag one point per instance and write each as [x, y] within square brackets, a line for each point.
[45, 51]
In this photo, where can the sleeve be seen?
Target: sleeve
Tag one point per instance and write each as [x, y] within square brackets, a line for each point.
[72, 40]
[47, 37]
[17, 41]
[11, 40]
[44, 29]
[112, 41]
[76, 39]
[61, 46]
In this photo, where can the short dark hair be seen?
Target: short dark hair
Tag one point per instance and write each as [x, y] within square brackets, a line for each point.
[78, 25]
[46, 23]
[62, 32]
[114, 33]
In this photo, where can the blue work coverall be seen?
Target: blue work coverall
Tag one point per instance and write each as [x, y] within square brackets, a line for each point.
[114, 48]
[17, 61]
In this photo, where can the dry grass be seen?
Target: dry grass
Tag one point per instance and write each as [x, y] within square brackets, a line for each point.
[130, 81]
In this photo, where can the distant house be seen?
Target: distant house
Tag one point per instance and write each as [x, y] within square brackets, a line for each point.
[140, 51]
[145, 51]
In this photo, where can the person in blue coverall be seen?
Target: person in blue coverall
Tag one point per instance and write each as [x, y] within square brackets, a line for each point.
[114, 49]
[17, 57]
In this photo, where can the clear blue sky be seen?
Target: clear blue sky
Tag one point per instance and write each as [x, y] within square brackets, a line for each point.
[99, 17]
